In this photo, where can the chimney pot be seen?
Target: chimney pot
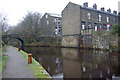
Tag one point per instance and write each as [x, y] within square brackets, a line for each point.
[109, 10]
[85, 4]
[114, 12]
[102, 9]
[94, 6]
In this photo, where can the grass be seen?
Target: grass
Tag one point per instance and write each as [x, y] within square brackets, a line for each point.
[3, 59]
[39, 71]
[2, 63]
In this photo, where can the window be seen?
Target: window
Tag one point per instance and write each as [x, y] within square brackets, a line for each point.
[100, 26]
[59, 23]
[46, 16]
[56, 31]
[108, 19]
[99, 17]
[96, 27]
[83, 26]
[59, 30]
[104, 26]
[108, 27]
[89, 16]
[47, 22]
[114, 20]
[55, 20]
[59, 19]
[89, 25]
[55, 27]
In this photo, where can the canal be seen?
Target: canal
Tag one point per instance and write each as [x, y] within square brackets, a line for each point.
[75, 63]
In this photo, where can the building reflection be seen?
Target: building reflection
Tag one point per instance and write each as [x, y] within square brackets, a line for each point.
[75, 63]
[71, 63]
[89, 64]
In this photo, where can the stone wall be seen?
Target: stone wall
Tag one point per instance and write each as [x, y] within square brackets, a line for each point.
[70, 41]
[105, 41]
[87, 41]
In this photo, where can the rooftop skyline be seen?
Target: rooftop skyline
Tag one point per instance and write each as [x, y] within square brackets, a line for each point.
[15, 10]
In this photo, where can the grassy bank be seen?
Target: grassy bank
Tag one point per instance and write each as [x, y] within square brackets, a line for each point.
[39, 71]
[3, 58]
[2, 63]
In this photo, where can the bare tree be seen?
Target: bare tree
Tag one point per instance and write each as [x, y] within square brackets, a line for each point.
[30, 25]
[3, 24]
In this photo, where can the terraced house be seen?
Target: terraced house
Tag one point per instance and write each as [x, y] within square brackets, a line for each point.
[80, 23]
[51, 25]
[119, 11]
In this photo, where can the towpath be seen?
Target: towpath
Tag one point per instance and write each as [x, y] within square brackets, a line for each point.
[16, 66]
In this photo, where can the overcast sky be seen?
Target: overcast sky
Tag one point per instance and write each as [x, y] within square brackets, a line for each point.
[15, 10]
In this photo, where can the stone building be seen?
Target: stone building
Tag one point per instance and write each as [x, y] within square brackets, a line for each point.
[119, 11]
[80, 23]
[119, 7]
[51, 25]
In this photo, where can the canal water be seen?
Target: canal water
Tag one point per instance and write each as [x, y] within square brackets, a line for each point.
[75, 63]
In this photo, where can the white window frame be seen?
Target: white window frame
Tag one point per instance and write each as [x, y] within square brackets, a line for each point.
[47, 22]
[83, 25]
[108, 20]
[96, 27]
[46, 16]
[89, 25]
[89, 16]
[56, 31]
[99, 17]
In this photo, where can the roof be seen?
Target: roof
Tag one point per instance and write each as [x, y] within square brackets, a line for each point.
[89, 8]
[54, 15]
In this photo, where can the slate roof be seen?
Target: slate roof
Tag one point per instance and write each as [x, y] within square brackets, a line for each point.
[54, 15]
[89, 8]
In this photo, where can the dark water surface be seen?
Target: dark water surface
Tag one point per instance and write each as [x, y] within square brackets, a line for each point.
[75, 63]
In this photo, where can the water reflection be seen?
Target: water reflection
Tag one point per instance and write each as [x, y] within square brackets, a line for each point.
[75, 63]
[49, 58]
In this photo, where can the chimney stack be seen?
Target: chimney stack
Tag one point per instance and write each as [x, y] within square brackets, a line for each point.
[94, 6]
[109, 10]
[114, 12]
[102, 9]
[85, 4]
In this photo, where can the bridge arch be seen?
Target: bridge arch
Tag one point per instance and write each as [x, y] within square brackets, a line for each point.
[4, 38]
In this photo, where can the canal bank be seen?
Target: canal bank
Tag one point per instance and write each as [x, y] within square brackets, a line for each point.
[16, 66]
[38, 70]
[110, 49]
[3, 58]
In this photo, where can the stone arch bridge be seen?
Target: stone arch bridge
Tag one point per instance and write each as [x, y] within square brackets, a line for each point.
[5, 38]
